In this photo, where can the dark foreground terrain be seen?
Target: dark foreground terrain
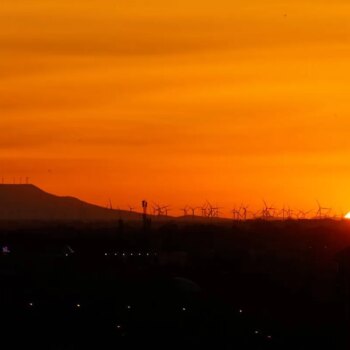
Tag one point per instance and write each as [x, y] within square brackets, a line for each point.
[252, 285]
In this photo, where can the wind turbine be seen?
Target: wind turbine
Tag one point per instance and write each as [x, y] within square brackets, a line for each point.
[302, 215]
[283, 212]
[236, 214]
[211, 211]
[165, 210]
[320, 212]
[185, 210]
[161, 210]
[267, 211]
[158, 209]
[193, 210]
[244, 209]
[216, 211]
[290, 213]
[204, 209]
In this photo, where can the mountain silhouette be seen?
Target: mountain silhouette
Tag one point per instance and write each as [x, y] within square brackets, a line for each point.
[30, 203]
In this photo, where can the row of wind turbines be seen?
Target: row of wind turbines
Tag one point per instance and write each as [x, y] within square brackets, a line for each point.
[243, 213]
[268, 212]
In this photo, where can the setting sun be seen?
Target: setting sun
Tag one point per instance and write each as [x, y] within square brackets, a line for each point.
[347, 216]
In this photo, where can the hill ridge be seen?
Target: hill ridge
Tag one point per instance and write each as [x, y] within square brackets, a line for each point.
[30, 202]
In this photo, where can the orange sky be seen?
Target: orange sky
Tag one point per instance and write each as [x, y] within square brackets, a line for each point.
[178, 101]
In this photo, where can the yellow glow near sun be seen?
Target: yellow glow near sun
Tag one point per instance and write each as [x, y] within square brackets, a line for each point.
[347, 216]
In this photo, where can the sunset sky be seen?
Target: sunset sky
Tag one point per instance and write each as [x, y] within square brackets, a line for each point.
[178, 101]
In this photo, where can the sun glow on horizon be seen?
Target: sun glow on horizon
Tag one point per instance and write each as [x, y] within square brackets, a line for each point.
[347, 216]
